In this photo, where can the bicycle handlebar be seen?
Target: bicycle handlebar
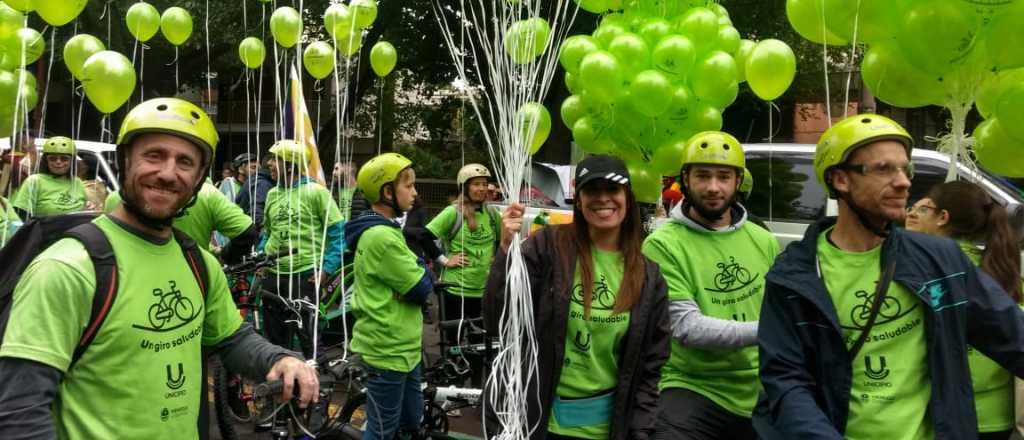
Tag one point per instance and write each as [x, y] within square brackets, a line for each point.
[261, 261]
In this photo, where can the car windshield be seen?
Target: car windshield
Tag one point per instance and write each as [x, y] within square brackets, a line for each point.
[1005, 184]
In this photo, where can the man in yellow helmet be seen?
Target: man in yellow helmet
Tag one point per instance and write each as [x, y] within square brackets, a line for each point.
[141, 374]
[865, 327]
[714, 261]
[391, 287]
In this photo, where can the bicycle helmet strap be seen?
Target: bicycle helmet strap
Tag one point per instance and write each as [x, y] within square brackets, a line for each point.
[880, 291]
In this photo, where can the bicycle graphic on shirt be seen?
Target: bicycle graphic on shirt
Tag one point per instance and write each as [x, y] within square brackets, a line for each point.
[169, 305]
[731, 276]
[602, 299]
[890, 310]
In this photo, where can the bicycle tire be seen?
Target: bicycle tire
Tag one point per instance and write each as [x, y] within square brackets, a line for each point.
[225, 415]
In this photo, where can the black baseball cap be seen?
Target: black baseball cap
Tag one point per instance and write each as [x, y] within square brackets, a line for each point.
[600, 166]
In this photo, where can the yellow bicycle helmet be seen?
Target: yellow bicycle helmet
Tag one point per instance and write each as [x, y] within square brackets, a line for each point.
[59, 145]
[380, 171]
[839, 141]
[171, 116]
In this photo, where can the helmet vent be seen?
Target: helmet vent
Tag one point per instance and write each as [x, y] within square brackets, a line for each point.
[194, 115]
[161, 107]
[866, 120]
[704, 145]
[726, 146]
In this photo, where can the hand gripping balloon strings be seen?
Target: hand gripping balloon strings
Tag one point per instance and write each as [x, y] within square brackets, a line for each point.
[515, 56]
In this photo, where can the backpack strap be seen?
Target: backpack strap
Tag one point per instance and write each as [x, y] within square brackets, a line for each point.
[457, 225]
[194, 258]
[105, 265]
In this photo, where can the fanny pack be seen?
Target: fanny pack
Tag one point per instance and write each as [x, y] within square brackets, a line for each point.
[588, 411]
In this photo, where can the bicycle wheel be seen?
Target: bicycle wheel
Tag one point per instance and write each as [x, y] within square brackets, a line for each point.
[229, 403]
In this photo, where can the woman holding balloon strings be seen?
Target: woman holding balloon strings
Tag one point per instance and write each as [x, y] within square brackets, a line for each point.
[964, 212]
[603, 331]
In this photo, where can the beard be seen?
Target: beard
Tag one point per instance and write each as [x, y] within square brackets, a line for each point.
[135, 205]
[708, 213]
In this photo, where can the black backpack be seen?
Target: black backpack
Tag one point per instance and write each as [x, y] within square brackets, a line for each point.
[39, 233]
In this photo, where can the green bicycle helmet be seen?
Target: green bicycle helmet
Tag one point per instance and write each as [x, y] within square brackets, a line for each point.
[380, 171]
[171, 116]
[714, 148]
[747, 185]
[290, 151]
[59, 145]
[839, 141]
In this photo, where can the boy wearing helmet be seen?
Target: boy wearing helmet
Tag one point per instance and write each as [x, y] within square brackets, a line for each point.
[141, 376]
[55, 189]
[865, 327]
[391, 287]
[714, 261]
[297, 213]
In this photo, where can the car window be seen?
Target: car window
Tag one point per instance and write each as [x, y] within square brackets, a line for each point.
[928, 172]
[785, 188]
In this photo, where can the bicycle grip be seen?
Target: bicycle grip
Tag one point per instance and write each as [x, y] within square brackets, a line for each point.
[265, 389]
[351, 432]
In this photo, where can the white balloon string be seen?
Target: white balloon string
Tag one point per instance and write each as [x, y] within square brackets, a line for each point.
[824, 64]
[851, 60]
[380, 115]
[46, 89]
[209, 85]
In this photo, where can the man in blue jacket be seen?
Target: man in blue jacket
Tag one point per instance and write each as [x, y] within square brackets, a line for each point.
[864, 326]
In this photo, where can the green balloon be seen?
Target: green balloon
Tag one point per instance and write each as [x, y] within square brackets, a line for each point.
[176, 25]
[931, 50]
[875, 19]
[572, 110]
[729, 39]
[338, 20]
[589, 138]
[654, 29]
[700, 25]
[770, 69]
[616, 18]
[78, 49]
[668, 158]
[1010, 111]
[572, 83]
[705, 118]
[10, 21]
[59, 12]
[1003, 41]
[806, 18]
[996, 151]
[143, 20]
[350, 44]
[364, 12]
[724, 97]
[891, 78]
[651, 93]
[21, 5]
[595, 6]
[746, 46]
[646, 185]
[8, 88]
[318, 59]
[632, 53]
[525, 40]
[252, 52]
[7, 61]
[27, 43]
[534, 125]
[674, 55]
[605, 33]
[601, 76]
[681, 108]
[993, 88]
[716, 72]
[383, 58]
[109, 80]
[286, 26]
[574, 49]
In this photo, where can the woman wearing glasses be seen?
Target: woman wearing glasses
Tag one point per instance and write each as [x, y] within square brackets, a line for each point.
[964, 212]
[56, 189]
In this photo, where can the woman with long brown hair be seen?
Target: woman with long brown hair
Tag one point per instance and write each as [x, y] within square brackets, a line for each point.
[964, 212]
[600, 309]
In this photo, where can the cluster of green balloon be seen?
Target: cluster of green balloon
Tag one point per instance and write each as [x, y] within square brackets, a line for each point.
[653, 75]
[144, 20]
[345, 24]
[999, 140]
[937, 45]
[19, 47]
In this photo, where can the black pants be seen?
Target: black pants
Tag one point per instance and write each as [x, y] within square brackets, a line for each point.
[276, 326]
[452, 309]
[686, 415]
[1000, 435]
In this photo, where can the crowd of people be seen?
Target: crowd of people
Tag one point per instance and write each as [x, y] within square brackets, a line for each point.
[882, 322]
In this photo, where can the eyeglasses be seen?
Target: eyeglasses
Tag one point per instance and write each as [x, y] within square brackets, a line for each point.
[55, 158]
[881, 169]
[921, 209]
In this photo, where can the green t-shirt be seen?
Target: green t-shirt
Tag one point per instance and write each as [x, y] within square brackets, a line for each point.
[891, 387]
[593, 347]
[42, 194]
[477, 245]
[723, 273]
[388, 330]
[142, 375]
[993, 385]
[297, 218]
[345, 202]
[9, 220]
[211, 212]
